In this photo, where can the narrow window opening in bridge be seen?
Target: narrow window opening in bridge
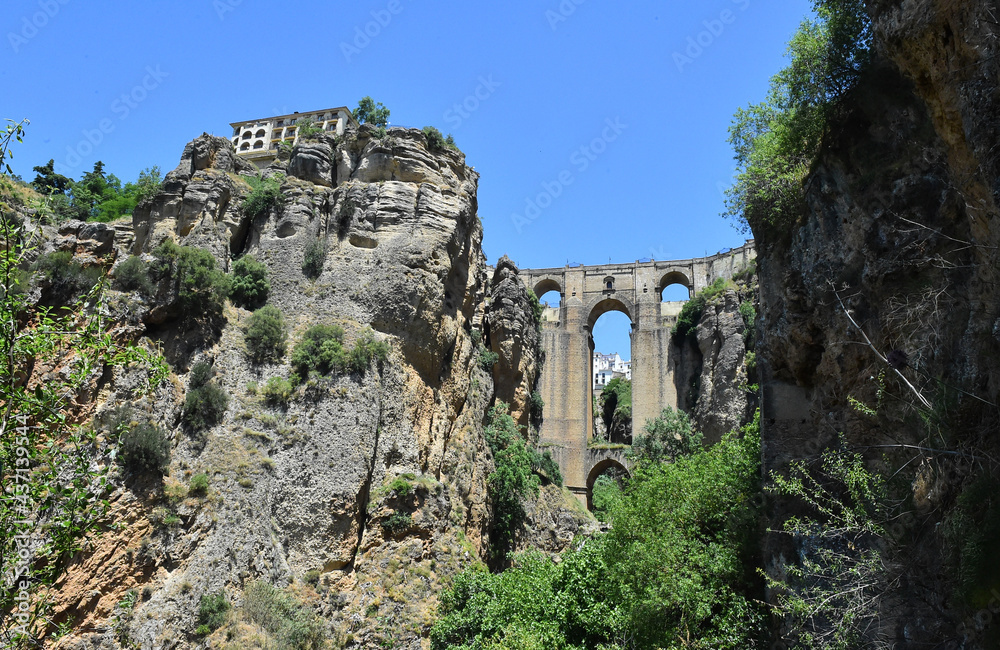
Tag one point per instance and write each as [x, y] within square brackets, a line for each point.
[550, 299]
[611, 388]
[675, 293]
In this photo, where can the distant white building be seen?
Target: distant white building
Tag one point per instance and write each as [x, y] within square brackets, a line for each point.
[609, 366]
[258, 140]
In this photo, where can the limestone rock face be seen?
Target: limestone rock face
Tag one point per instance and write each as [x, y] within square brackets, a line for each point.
[195, 205]
[513, 335]
[722, 403]
[305, 487]
[900, 233]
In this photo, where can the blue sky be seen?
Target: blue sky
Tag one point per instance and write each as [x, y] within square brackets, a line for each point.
[609, 118]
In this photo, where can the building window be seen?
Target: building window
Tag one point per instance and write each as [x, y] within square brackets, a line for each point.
[280, 123]
[260, 133]
[247, 135]
[258, 145]
[245, 146]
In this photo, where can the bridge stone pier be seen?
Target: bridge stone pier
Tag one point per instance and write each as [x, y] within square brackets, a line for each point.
[586, 293]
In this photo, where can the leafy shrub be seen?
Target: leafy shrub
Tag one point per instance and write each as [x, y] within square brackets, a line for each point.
[212, 610]
[201, 287]
[206, 402]
[400, 486]
[831, 596]
[65, 275]
[133, 275]
[487, 359]
[321, 349]
[535, 407]
[777, 140]
[665, 438]
[265, 195]
[278, 391]
[366, 348]
[312, 261]
[397, 523]
[536, 308]
[309, 129]
[145, 447]
[198, 485]
[749, 314]
[290, 624]
[543, 463]
[250, 286]
[973, 528]
[266, 335]
[436, 141]
[605, 496]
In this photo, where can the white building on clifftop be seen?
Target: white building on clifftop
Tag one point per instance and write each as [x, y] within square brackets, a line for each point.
[258, 140]
[609, 366]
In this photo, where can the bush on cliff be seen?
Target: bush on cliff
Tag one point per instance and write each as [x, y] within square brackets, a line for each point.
[206, 402]
[265, 195]
[266, 335]
[250, 285]
[201, 288]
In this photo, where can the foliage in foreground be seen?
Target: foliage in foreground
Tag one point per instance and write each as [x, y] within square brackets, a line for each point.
[665, 438]
[830, 598]
[671, 573]
[53, 473]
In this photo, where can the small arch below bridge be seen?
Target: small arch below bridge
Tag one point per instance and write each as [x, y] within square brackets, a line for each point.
[600, 461]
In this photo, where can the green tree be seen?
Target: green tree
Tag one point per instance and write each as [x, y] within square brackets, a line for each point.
[47, 181]
[683, 547]
[665, 438]
[776, 140]
[370, 112]
[206, 402]
[200, 287]
[53, 471]
[265, 195]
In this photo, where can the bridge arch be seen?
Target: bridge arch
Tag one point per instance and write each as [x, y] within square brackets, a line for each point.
[546, 285]
[602, 307]
[601, 466]
[672, 278]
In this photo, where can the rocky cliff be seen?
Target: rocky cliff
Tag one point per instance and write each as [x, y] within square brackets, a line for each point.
[880, 312]
[366, 491]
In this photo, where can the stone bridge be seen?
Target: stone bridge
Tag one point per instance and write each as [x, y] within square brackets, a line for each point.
[586, 293]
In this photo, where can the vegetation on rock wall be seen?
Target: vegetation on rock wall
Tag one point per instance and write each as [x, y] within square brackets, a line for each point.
[53, 470]
[777, 140]
[95, 197]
